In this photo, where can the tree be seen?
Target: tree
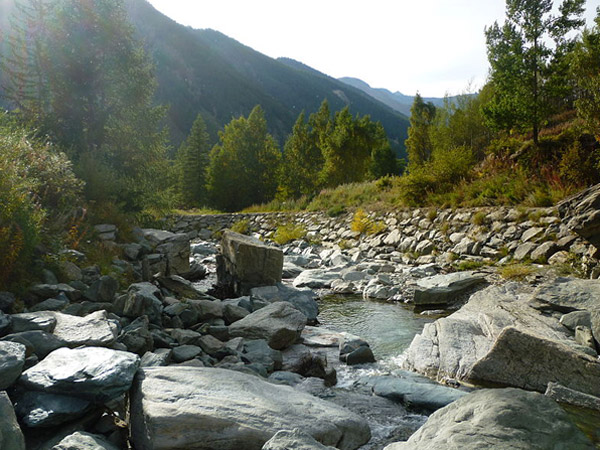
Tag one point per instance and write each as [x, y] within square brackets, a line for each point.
[418, 144]
[192, 160]
[586, 71]
[302, 161]
[244, 165]
[522, 61]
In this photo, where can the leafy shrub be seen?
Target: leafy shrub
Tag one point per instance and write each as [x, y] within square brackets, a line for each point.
[336, 211]
[361, 223]
[288, 232]
[241, 226]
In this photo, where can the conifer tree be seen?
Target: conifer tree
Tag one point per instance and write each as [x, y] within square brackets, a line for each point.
[192, 160]
[418, 145]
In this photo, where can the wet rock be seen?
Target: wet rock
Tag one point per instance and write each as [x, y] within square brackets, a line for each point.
[294, 440]
[498, 418]
[12, 359]
[445, 289]
[354, 350]
[11, 437]
[84, 441]
[92, 373]
[279, 323]
[178, 407]
[39, 409]
[246, 262]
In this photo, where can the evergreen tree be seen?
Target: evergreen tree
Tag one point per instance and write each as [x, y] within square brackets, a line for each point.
[586, 71]
[243, 167]
[418, 144]
[302, 162]
[192, 160]
[522, 62]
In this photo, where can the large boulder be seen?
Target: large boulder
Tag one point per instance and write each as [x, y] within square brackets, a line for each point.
[445, 289]
[175, 248]
[39, 409]
[206, 408]
[95, 329]
[492, 339]
[143, 299]
[246, 262]
[11, 437]
[279, 323]
[498, 418]
[93, 373]
[304, 300]
[581, 214]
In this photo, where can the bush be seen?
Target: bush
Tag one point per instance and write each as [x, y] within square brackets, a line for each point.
[241, 226]
[38, 192]
[362, 224]
[288, 232]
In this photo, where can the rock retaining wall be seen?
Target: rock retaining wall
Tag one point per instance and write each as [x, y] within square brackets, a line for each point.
[425, 235]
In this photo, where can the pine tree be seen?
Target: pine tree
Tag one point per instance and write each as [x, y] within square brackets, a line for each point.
[192, 160]
[418, 145]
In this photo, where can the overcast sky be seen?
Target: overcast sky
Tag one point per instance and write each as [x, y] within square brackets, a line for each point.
[431, 46]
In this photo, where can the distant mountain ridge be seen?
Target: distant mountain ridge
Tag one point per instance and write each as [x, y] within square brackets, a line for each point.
[204, 71]
[395, 100]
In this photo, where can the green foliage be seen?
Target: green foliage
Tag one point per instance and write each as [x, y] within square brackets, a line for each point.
[363, 224]
[479, 218]
[38, 192]
[418, 145]
[336, 211]
[528, 77]
[470, 265]
[585, 69]
[192, 164]
[244, 165]
[516, 272]
[288, 232]
[241, 226]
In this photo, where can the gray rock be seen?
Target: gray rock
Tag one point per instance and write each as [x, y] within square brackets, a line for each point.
[11, 437]
[567, 294]
[5, 323]
[304, 300]
[143, 299]
[565, 395]
[43, 321]
[595, 319]
[7, 300]
[294, 440]
[12, 359]
[287, 378]
[354, 350]
[137, 337]
[182, 407]
[183, 287]
[581, 214]
[279, 323]
[160, 357]
[50, 304]
[233, 313]
[414, 392]
[257, 351]
[498, 418]
[531, 233]
[246, 262]
[39, 409]
[93, 330]
[210, 345]
[321, 337]
[41, 342]
[174, 247]
[544, 251]
[208, 309]
[84, 441]
[583, 336]
[524, 251]
[492, 338]
[102, 290]
[317, 278]
[444, 289]
[92, 373]
[573, 319]
[185, 352]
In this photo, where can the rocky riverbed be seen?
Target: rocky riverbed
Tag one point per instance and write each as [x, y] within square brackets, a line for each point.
[217, 345]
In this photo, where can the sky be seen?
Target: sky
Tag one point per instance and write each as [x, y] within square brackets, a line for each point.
[430, 46]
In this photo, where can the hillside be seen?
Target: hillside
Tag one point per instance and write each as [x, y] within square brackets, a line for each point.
[395, 100]
[205, 71]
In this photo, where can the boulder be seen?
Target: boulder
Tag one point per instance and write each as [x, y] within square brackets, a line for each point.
[581, 214]
[498, 418]
[206, 408]
[317, 278]
[294, 440]
[174, 247]
[137, 337]
[102, 290]
[39, 409]
[565, 395]
[279, 323]
[304, 300]
[492, 339]
[41, 342]
[246, 262]
[81, 440]
[95, 329]
[12, 360]
[354, 350]
[11, 437]
[92, 373]
[445, 289]
[183, 288]
[44, 321]
[567, 295]
[143, 299]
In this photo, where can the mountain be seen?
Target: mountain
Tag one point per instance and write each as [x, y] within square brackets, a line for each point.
[395, 100]
[204, 71]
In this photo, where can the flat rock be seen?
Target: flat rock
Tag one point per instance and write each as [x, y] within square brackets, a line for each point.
[498, 418]
[317, 278]
[294, 440]
[92, 330]
[565, 395]
[492, 339]
[320, 337]
[44, 321]
[39, 409]
[12, 360]
[444, 289]
[93, 373]
[202, 408]
[11, 437]
[279, 323]
[183, 287]
[567, 294]
[81, 440]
